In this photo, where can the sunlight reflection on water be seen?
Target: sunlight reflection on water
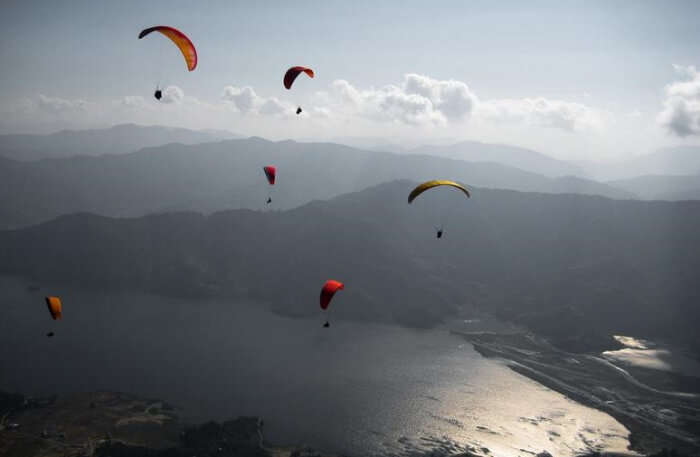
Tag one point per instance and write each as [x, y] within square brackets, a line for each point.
[358, 389]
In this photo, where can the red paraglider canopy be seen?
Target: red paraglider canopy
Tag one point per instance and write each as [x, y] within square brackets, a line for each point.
[55, 307]
[292, 74]
[270, 174]
[329, 289]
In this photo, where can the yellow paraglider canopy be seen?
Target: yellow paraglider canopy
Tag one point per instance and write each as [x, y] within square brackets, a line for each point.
[435, 183]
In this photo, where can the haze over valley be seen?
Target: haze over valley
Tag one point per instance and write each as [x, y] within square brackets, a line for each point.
[466, 229]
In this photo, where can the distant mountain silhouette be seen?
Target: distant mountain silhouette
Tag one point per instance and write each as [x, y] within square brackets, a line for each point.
[525, 159]
[662, 187]
[681, 160]
[119, 139]
[228, 174]
[574, 268]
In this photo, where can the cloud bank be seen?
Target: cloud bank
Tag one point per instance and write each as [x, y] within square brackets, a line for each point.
[681, 108]
[417, 105]
[245, 100]
[417, 100]
[542, 112]
[421, 100]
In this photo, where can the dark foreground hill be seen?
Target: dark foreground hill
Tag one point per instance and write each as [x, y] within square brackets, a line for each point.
[228, 175]
[575, 268]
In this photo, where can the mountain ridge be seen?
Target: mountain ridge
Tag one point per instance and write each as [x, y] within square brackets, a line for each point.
[567, 266]
[118, 139]
[228, 174]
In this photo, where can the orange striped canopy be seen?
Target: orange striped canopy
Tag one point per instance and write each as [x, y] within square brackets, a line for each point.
[181, 41]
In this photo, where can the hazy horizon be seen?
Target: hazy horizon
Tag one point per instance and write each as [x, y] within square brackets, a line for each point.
[573, 81]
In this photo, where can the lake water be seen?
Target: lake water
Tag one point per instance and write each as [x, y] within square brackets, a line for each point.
[357, 389]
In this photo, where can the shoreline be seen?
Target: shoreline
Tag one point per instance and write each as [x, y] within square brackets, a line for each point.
[585, 380]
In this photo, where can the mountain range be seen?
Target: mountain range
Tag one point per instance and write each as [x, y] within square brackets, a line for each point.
[228, 174]
[674, 161]
[573, 268]
[119, 139]
[522, 158]
[662, 187]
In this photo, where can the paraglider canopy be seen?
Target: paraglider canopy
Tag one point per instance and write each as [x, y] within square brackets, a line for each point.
[292, 74]
[55, 307]
[270, 174]
[436, 183]
[181, 41]
[329, 289]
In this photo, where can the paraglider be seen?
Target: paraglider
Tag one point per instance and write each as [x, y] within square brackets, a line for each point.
[327, 292]
[270, 174]
[292, 74]
[432, 184]
[55, 307]
[181, 41]
[420, 188]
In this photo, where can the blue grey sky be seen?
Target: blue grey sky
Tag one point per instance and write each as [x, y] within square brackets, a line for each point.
[579, 80]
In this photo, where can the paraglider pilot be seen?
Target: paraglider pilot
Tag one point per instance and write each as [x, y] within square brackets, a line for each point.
[329, 289]
[158, 94]
[298, 109]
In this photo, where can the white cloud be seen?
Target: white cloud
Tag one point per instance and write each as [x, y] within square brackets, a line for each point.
[132, 101]
[243, 98]
[247, 101]
[418, 107]
[321, 112]
[272, 106]
[419, 100]
[681, 111]
[172, 94]
[452, 98]
[60, 106]
[43, 113]
[543, 112]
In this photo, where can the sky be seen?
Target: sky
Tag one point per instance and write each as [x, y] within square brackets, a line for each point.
[575, 80]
